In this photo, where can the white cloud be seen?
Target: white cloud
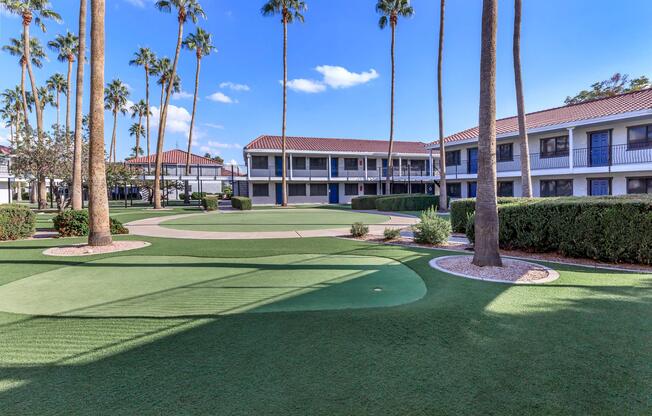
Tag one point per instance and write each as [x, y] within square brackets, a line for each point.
[221, 98]
[178, 119]
[137, 3]
[306, 85]
[181, 95]
[233, 162]
[4, 136]
[340, 77]
[214, 126]
[219, 145]
[235, 87]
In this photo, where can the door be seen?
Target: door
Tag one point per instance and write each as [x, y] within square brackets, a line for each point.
[599, 187]
[599, 148]
[278, 166]
[334, 193]
[384, 167]
[473, 160]
[279, 194]
[473, 189]
[334, 167]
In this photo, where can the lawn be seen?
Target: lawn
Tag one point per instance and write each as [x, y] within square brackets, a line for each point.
[580, 345]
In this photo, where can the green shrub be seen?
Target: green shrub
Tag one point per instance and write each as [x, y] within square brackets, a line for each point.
[210, 203]
[198, 195]
[228, 192]
[358, 229]
[182, 196]
[75, 224]
[364, 202]
[460, 209]
[368, 202]
[392, 233]
[413, 202]
[432, 229]
[241, 202]
[470, 228]
[16, 222]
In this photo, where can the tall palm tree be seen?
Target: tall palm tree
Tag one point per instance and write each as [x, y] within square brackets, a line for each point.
[201, 43]
[66, 46]
[46, 97]
[79, 111]
[98, 203]
[37, 54]
[290, 11]
[115, 100]
[486, 211]
[391, 10]
[57, 84]
[443, 192]
[35, 10]
[147, 59]
[186, 9]
[140, 110]
[526, 178]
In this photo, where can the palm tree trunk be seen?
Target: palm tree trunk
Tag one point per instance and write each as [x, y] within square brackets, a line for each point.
[98, 204]
[79, 112]
[69, 89]
[192, 125]
[443, 197]
[284, 184]
[161, 127]
[140, 126]
[24, 94]
[149, 165]
[112, 147]
[390, 166]
[486, 211]
[526, 178]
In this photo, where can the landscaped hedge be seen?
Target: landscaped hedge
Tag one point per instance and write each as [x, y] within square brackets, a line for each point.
[75, 224]
[460, 209]
[614, 229]
[210, 203]
[196, 196]
[16, 222]
[414, 202]
[365, 202]
[241, 202]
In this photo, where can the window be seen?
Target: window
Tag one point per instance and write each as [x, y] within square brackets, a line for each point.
[554, 146]
[599, 186]
[505, 188]
[473, 189]
[350, 189]
[318, 189]
[454, 190]
[639, 137]
[299, 163]
[350, 163]
[505, 152]
[453, 158]
[371, 189]
[259, 162]
[297, 189]
[559, 187]
[639, 185]
[418, 165]
[260, 189]
[317, 163]
[372, 164]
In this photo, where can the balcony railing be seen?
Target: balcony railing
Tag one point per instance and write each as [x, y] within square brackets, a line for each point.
[404, 172]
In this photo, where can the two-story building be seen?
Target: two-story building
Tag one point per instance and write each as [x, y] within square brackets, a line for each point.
[599, 147]
[6, 178]
[323, 170]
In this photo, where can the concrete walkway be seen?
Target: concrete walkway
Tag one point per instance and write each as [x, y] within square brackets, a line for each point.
[151, 227]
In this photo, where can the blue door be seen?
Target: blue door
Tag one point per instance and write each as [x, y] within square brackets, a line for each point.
[384, 167]
[473, 189]
[334, 167]
[473, 160]
[599, 187]
[599, 142]
[279, 193]
[334, 193]
[278, 165]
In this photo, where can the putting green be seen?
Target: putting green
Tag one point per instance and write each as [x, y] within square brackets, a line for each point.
[274, 220]
[167, 286]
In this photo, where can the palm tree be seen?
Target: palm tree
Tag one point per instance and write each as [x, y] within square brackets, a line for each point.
[98, 203]
[37, 54]
[186, 9]
[486, 211]
[136, 130]
[137, 151]
[290, 11]
[14, 98]
[46, 97]
[147, 59]
[201, 43]
[140, 110]
[79, 111]
[57, 84]
[115, 100]
[35, 10]
[526, 178]
[66, 46]
[391, 10]
[443, 194]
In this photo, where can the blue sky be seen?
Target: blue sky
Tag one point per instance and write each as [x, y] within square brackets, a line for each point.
[339, 62]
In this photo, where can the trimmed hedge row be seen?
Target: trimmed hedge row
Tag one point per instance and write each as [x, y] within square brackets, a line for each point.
[395, 202]
[365, 202]
[16, 222]
[75, 224]
[210, 203]
[613, 229]
[460, 209]
[241, 202]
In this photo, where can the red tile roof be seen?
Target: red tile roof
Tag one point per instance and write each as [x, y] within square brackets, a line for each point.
[173, 157]
[4, 150]
[316, 144]
[602, 107]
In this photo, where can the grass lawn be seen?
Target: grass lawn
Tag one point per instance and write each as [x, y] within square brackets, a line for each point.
[580, 345]
[275, 220]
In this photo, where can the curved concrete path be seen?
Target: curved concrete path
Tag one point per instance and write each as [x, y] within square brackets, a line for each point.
[150, 227]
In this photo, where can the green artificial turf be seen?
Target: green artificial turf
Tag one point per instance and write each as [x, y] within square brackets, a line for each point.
[580, 345]
[275, 220]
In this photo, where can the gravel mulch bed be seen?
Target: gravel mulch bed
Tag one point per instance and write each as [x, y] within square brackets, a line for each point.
[86, 250]
[513, 271]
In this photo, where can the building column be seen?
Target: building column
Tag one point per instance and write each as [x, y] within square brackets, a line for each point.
[248, 166]
[570, 148]
[328, 167]
[291, 169]
[365, 168]
[431, 169]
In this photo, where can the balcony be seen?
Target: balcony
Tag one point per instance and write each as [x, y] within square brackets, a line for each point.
[4, 167]
[403, 173]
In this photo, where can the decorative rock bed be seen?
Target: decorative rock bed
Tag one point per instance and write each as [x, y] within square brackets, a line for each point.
[513, 271]
[86, 250]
